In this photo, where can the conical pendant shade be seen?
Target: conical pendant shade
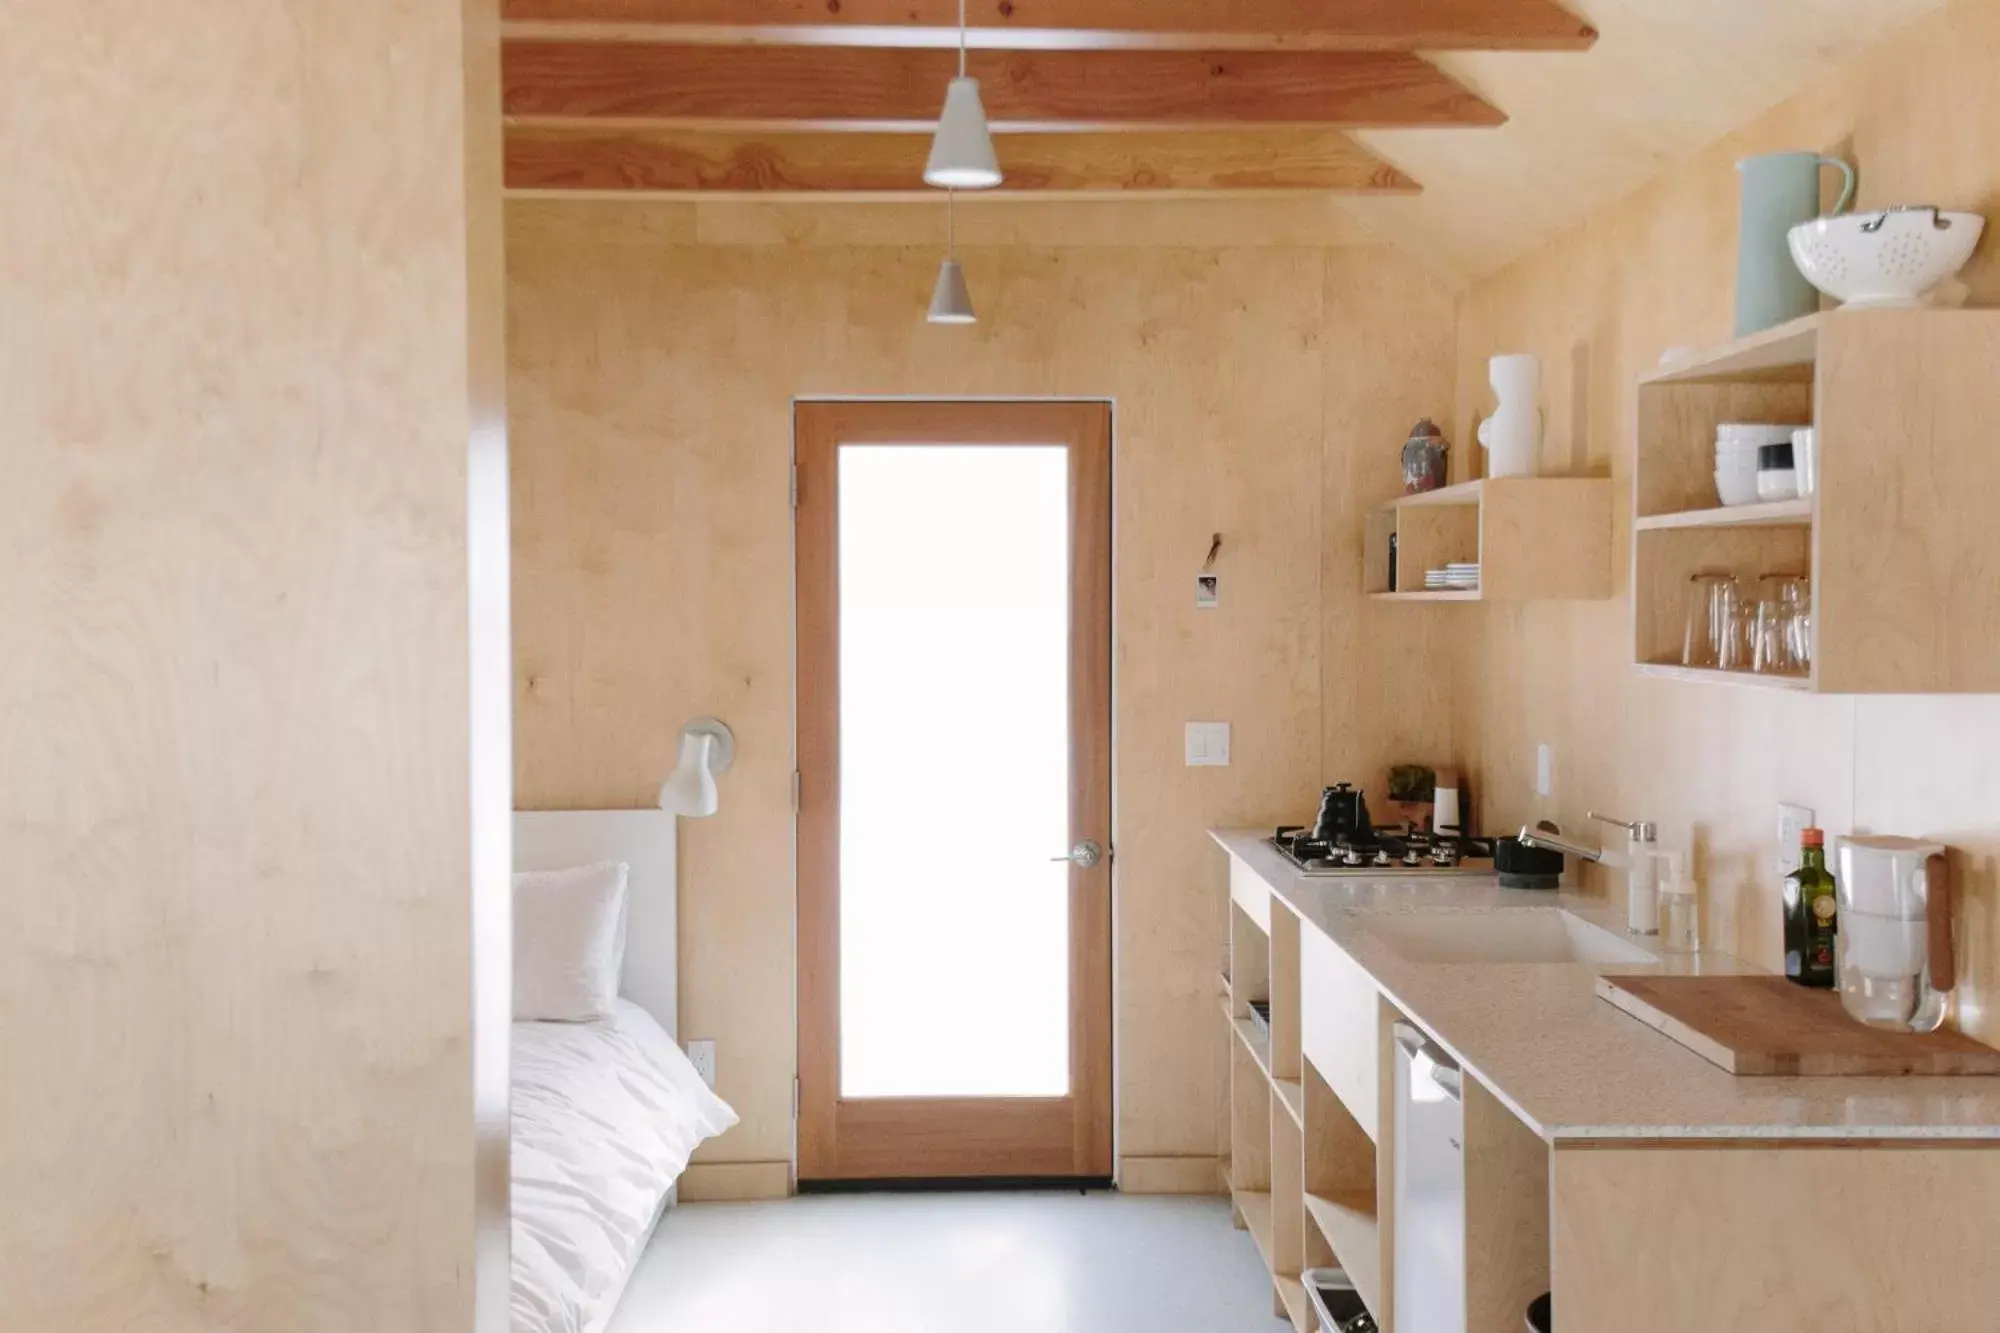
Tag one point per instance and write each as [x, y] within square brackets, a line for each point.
[962, 153]
[951, 301]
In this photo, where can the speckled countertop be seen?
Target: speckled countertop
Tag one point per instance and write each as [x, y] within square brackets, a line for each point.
[1572, 1066]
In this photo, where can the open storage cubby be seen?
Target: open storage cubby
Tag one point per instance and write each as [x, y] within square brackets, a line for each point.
[1534, 538]
[1899, 539]
[1340, 1178]
[1267, 1105]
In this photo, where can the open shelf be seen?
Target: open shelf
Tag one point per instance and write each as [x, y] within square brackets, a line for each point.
[1713, 676]
[1898, 541]
[1351, 1229]
[1255, 1043]
[1775, 355]
[1465, 493]
[1255, 1206]
[1534, 538]
[1292, 1096]
[1292, 1293]
[1776, 514]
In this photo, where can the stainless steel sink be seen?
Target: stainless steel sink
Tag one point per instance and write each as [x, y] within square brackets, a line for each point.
[1506, 935]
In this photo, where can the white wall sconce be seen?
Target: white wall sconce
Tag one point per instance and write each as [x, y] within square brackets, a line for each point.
[708, 748]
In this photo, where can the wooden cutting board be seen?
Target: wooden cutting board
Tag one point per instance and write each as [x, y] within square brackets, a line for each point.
[1767, 1025]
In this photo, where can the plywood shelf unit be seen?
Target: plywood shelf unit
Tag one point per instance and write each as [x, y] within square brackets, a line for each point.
[1534, 539]
[1302, 1169]
[1899, 540]
[1267, 1104]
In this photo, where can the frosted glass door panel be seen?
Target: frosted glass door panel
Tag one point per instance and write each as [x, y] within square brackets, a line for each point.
[954, 771]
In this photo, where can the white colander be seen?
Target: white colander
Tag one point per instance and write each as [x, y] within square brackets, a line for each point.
[1885, 259]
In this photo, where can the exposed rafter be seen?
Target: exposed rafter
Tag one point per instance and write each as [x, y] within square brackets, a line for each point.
[900, 89]
[584, 158]
[1360, 25]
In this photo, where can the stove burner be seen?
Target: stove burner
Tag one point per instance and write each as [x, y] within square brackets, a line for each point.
[1395, 852]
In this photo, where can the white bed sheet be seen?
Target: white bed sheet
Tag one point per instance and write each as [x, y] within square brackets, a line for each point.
[606, 1115]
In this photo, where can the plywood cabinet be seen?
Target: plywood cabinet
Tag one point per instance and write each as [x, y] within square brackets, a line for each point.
[1899, 538]
[1302, 1167]
[1534, 539]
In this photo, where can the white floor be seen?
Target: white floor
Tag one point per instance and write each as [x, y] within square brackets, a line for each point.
[951, 1263]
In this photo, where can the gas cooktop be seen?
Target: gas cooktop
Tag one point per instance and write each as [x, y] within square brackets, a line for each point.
[1383, 853]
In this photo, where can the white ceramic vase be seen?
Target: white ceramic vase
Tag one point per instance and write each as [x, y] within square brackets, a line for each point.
[1513, 434]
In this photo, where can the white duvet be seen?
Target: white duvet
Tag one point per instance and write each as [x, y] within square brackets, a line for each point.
[606, 1115]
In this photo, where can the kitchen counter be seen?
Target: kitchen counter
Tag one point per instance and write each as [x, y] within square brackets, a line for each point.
[1571, 1066]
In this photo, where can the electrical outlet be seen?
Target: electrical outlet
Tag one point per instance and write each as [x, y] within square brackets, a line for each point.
[1793, 820]
[701, 1054]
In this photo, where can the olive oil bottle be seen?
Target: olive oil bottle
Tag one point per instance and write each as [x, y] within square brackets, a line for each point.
[1810, 909]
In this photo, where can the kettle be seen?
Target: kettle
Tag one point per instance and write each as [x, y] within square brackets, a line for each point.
[1893, 955]
[1343, 815]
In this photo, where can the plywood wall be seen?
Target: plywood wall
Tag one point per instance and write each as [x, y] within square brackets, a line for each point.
[1710, 764]
[236, 1069]
[1263, 388]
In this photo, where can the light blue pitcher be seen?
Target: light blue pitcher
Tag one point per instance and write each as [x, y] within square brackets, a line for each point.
[1780, 191]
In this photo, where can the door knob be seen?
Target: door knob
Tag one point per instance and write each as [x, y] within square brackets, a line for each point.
[1086, 855]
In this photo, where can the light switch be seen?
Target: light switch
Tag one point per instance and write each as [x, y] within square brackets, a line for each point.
[1208, 744]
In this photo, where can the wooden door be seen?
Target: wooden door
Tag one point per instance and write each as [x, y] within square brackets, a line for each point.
[896, 1058]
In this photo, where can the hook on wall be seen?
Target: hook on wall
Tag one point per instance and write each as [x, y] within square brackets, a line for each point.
[1208, 584]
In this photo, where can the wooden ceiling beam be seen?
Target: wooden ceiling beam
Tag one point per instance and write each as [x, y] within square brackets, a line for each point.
[1358, 25]
[550, 159]
[753, 87]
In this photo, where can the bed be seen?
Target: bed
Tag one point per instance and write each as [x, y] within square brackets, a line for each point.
[607, 1112]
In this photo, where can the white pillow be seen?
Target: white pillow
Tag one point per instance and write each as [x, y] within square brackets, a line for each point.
[569, 942]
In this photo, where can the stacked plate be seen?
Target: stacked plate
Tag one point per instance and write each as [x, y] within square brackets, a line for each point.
[1736, 446]
[1461, 577]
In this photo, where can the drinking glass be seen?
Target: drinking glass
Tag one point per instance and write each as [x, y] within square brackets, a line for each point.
[1707, 621]
[1736, 628]
[1771, 639]
[1791, 622]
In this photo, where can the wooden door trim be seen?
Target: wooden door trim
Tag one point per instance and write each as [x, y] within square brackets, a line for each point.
[943, 1137]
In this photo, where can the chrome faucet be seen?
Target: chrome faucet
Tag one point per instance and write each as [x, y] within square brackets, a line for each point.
[1642, 897]
[1547, 835]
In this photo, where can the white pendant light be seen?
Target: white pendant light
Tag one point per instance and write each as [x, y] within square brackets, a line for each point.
[951, 299]
[962, 153]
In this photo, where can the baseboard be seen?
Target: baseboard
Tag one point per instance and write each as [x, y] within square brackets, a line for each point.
[1170, 1175]
[730, 1182]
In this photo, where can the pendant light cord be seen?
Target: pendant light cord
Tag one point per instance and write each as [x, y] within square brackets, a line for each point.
[951, 224]
[961, 38]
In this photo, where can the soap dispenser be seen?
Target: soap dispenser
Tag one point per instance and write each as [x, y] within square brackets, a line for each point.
[1680, 918]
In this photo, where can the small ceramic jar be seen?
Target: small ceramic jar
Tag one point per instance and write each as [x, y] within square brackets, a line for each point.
[1426, 456]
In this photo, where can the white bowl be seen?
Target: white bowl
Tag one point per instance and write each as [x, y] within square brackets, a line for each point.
[1778, 484]
[1885, 259]
[1754, 434]
[1737, 488]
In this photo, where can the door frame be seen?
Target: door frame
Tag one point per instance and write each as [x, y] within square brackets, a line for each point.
[1069, 1138]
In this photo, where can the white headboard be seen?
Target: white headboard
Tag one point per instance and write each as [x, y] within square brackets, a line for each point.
[645, 841]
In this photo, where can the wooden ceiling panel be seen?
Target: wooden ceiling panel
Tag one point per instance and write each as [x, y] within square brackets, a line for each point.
[559, 158]
[1374, 25]
[902, 88]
